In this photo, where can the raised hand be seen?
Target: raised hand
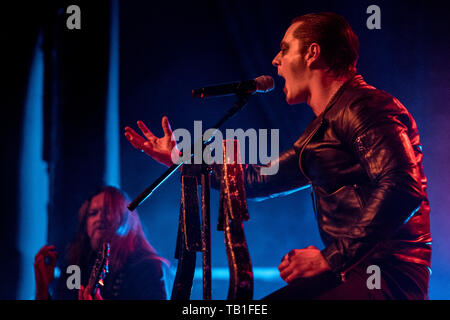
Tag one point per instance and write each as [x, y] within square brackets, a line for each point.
[159, 149]
[44, 270]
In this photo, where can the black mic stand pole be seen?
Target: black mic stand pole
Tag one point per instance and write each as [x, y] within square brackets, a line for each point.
[206, 186]
[238, 105]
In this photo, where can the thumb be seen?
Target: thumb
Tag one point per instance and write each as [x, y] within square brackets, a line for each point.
[97, 295]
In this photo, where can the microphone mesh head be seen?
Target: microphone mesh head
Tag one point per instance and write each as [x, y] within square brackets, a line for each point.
[264, 84]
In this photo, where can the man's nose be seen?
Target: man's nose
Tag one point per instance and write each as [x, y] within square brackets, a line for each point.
[102, 215]
[276, 60]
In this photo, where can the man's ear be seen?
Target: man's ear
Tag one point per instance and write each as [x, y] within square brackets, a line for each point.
[312, 55]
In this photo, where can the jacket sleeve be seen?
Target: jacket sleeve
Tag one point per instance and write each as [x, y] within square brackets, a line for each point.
[377, 131]
[286, 180]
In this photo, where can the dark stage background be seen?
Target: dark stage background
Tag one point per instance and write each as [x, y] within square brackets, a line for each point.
[68, 94]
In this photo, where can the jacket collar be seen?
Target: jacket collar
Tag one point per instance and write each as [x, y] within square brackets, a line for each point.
[315, 124]
[355, 81]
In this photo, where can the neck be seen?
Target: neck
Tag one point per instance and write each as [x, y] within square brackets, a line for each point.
[322, 89]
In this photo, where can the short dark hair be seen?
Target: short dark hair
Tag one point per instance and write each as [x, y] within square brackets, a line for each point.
[338, 42]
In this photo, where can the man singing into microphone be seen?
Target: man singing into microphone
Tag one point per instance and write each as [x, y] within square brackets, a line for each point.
[362, 157]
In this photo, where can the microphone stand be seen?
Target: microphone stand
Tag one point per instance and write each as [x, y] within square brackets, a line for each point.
[206, 185]
[238, 105]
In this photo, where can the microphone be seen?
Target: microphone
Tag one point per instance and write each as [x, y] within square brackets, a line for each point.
[261, 84]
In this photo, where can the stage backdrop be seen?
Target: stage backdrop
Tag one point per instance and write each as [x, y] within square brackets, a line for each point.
[72, 91]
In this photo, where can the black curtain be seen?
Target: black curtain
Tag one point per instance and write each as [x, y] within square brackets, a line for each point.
[17, 53]
[75, 83]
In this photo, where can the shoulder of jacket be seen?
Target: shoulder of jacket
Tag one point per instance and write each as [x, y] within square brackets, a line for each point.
[366, 98]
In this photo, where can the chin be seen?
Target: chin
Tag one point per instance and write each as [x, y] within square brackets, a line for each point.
[293, 101]
[95, 243]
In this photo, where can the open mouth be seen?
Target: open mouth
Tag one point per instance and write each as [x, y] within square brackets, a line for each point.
[100, 229]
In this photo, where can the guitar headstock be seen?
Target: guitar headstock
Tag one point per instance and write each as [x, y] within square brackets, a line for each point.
[100, 269]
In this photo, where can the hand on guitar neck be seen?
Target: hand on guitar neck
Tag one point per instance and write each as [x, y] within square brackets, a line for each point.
[85, 294]
[98, 275]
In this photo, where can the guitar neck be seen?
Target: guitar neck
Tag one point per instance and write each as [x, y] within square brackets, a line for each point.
[100, 268]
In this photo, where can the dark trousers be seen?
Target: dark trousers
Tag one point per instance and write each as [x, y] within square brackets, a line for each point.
[399, 281]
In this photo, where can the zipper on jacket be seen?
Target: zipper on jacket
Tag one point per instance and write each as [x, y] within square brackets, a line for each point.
[313, 195]
[304, 146]
[343, 273]
[313, 199]
[359, 194]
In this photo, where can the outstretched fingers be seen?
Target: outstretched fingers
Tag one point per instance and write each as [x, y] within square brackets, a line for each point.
[147, 133]
[135, 139]
[166, 127]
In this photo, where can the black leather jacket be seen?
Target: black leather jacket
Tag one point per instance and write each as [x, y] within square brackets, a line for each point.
[363, 160]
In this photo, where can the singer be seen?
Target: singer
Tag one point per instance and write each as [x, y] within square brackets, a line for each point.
[362, 157]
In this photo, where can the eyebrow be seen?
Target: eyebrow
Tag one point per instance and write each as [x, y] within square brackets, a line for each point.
[284, 45]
